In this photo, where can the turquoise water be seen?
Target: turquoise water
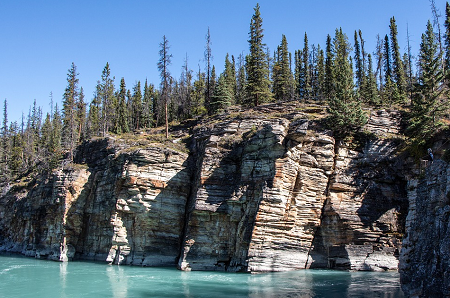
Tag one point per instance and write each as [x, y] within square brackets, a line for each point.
[27, 277]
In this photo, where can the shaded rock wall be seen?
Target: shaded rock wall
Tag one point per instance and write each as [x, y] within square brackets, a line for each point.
[425, 256]
[255, 193]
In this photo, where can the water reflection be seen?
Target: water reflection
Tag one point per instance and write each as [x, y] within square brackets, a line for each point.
[118, 280]
[63, 278]
[81, 279]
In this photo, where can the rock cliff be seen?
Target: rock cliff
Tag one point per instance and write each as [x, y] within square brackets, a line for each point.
[425, 256]
[260, 190]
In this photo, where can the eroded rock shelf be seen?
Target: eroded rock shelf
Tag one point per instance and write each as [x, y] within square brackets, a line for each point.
[256, 192]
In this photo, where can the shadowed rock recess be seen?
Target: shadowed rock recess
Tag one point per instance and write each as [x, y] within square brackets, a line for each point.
[258, 190]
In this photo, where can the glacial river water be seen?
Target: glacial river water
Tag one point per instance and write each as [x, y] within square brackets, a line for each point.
[27, 277]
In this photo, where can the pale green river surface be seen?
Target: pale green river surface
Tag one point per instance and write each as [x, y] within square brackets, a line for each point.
[28, 277]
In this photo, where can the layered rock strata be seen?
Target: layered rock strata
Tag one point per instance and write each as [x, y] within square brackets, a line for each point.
[425, 256]
[257, 192]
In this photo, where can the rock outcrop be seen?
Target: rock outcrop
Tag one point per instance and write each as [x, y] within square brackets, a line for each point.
[425, 256]
[260, 190]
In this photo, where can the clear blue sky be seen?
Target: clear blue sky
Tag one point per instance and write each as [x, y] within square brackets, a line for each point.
[40, 39]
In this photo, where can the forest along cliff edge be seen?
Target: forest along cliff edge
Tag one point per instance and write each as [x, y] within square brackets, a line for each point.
[259, 190]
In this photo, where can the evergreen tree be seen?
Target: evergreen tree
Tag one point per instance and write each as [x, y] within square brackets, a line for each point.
[346, 115]
[121, 124]
[105, 95]
[70, 99]
[447, 43]
[198, 94]
[428, 103]
[81, 116]
[370, 86]
[306, 74]
[94, 128]
[136, 107]
[56, 137]
[360, 73]
[320, 74]
[398, 73]
[230, 78]
[5, 154]
[258, 83]
[208, 59]
[387, 59]
[241, 80]
[163, 67]
[329, 89]
[147, 106]
[282, 82]
[17, 153]
[222, 96]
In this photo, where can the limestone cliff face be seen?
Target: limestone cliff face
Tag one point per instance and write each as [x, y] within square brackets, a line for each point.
[425, 256]
[257, 191]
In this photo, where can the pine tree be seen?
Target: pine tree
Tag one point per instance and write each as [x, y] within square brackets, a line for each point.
[258, 84]
[398, 74]
[147, 106]
[81, 116]
[105, 94]
[370, 87]
[447, 43]
[94, 128]
[241, 80]
[163, 67]
[360, 73]
[17, 153]
[208, 59]
[5, 153]
[306, 69]
[346, 115]
[198, 94]
[329, 89]
[428, 103]
[121, 124]
[320, 74]
[222, 96]
[136, 107]
[282, 82]
[70, 124]
[230, 78]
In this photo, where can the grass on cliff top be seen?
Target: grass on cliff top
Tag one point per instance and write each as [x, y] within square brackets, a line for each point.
[156, 137]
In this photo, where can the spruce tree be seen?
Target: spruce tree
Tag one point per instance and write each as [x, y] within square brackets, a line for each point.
[105, 95]
[257, 69]
[398, 73]
[359, 70]
[306, 72]
[230, 78]
[121, 124]
[163, 66]
[320, 74]
[222, 96]
[370, 87]
[428, 103]
[5, 153]
[447, 43]
[346, 115]
[147, 105]
[136, 107]
[70, 99]
[81, 116]
[241, 80]
[198, 94]
[329, 88]
[282, 83]
[94, 128]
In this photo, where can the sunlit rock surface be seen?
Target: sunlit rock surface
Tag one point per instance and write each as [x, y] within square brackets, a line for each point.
[266, 189]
